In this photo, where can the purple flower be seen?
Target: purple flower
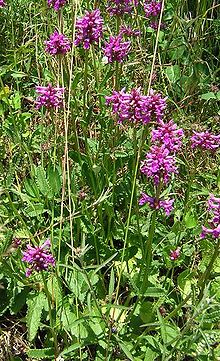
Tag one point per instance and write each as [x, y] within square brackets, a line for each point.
[2, 3]
[205, 140]
[214, 222]
[58, 44]
[39, 258]
[152, 8]
[89, 29]
[128, 31]
[159, 164]
[56, 4]
[120, 7]
[166, 205]
[174, 255]
[135, 107]
[156, 106]
[214, 207]
[168, 135]
[215, 232]
[49, 97]
[116, 49]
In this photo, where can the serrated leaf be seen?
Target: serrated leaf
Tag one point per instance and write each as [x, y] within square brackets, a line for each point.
[34, 210]
[35, 307]
[31, 188]
[54, 180]
[42, 182]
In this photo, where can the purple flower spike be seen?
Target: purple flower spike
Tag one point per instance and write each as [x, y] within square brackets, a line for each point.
[159, 164]
[168, 135]
[136, 107]
[166, 205]
[56, 4]
[39, 258]
[120, 7]
[49, 97]
[205, 140]
[214, 207]
[89, 29]
[174, 255]
[116, 49]
[2, 3]
[58, 44]
[152, 8]
[214, 223]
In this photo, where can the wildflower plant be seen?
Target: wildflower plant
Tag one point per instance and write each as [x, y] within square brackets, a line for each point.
[108, 249]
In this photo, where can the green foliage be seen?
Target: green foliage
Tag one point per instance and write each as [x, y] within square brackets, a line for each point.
[72, 175]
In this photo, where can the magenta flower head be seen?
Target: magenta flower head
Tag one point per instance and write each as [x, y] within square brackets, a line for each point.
[166, 205]
[120, 7]
[89, 29]
[205, 140]
[159, 164]
[49, 97]
[39, 258]
[168, 135]
[58, 44]
[56, 4]
[152, 8]
[174, 255]
[2, 3]
[136, 107]
[116, 49]
[214, 222]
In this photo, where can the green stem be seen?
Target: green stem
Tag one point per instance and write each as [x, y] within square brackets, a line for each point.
[50, 316]
[148, 252]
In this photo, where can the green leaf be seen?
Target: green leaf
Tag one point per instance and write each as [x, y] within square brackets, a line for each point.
[70, 349]
[19, 301]
[41, 180]
[185, 281]
[125, 349]
[111, 285]
[190, 220]
[44, 353]
[34, 210]
[208, 96]
[173, 73]
[54, 179]
[35, 307]
[31, 188]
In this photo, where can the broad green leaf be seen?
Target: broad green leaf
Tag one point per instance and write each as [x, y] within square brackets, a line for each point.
[190, 220]
[35, 307]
